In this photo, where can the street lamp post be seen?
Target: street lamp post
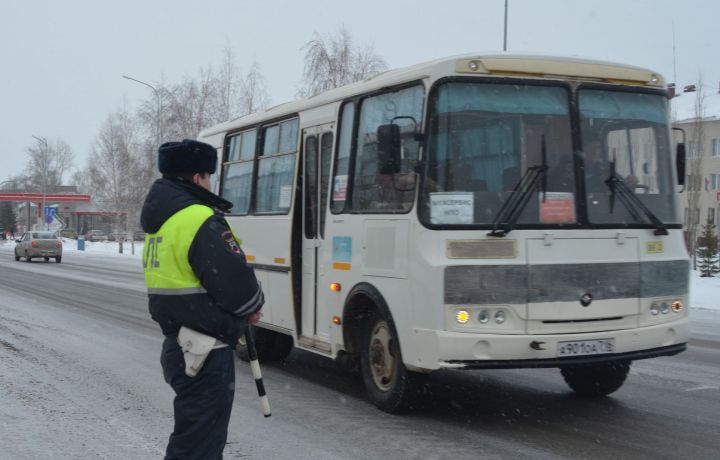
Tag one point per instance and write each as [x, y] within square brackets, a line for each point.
[157, 97]
[505, 28]
[44, 187]
[157, 132]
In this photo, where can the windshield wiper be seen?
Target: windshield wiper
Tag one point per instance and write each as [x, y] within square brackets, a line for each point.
[510, 211]
[631, 202]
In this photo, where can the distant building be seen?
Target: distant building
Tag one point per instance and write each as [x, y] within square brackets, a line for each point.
[698, 114]
[65, 208]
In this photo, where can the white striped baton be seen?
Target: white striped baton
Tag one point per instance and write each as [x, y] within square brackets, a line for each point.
[255, 367]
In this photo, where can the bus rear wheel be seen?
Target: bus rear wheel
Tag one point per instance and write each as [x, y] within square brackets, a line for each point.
[270, 345]
[595, 380]
[389, 384]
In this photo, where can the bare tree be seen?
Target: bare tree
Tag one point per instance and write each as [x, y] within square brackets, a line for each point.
[18, 183]
[64, 158]
[253, 91]
[333, 61]
[81, 180]
[193, 105]
[228, 82]
[123, 159]
[212, 97]
[115, 172]
[47, 164]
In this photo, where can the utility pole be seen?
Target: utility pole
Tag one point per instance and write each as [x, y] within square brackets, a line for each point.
[505, 28]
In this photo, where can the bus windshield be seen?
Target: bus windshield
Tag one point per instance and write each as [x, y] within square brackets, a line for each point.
[626, 135]
[484, 137]
[481, 141]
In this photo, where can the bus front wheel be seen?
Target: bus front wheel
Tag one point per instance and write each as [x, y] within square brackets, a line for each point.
[595, 380]
[389, 384]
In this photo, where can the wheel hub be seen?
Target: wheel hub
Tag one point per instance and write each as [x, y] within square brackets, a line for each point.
[382, 362]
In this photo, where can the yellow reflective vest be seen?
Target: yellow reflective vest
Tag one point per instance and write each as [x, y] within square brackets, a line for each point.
[165, 256]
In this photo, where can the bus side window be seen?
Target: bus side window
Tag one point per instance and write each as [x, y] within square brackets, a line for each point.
[342, 160]
[276, 164]
[372, 190]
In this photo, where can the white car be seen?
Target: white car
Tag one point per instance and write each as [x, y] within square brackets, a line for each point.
[38, 244]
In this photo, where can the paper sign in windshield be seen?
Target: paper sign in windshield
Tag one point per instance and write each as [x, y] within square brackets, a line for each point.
[557, 208]
[451, 208]
[285, 197]
[340, 187]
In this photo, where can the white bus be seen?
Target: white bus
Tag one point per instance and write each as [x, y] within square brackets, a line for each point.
[474, 212]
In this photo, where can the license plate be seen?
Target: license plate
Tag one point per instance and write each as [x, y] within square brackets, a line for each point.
[586, 347]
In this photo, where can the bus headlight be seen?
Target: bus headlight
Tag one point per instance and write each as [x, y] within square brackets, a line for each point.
[462, 316]
[500, 316]
[484, 317]
[664, 308]
[654, 309]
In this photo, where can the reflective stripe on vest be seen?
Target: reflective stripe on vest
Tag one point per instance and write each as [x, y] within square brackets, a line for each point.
[165, 256]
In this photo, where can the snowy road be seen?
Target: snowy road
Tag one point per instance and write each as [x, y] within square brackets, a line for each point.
[80, 378]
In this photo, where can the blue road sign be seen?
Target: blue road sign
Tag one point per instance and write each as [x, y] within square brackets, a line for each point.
[49, 214]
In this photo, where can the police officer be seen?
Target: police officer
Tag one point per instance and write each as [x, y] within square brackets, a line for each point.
[197, 277]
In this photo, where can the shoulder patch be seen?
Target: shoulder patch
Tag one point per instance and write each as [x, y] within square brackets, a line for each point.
[228, 237]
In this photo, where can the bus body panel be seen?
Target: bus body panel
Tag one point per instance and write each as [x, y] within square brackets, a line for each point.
[266, 243]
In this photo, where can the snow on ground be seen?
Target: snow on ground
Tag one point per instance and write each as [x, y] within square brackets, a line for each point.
[704, 292]
[105, 247]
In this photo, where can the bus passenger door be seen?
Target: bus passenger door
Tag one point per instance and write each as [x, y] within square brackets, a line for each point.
[317, 150]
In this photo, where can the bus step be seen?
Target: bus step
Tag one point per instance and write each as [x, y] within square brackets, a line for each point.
[314, 344]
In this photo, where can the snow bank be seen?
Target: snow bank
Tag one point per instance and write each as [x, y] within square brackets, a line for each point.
[704, 292]
[110, 248]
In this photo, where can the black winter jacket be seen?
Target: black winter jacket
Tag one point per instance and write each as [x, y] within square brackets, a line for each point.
[232, 289]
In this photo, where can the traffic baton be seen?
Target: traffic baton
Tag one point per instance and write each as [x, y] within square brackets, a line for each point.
[255, 367]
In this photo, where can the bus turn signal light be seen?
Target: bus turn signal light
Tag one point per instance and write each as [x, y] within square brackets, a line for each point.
[677, 306]
[335, 287]
[337, 320]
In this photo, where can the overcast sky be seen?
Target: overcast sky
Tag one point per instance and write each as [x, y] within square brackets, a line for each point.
[62, 61]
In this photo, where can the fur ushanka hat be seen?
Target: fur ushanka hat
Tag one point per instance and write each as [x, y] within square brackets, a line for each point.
[188, 156]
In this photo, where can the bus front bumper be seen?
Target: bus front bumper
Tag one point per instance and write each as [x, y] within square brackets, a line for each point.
[460, 350]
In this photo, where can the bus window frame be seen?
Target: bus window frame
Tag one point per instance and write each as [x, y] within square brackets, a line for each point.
[358, 100]
[432, 99]
[260, 141]
[259, 155]
[226, 162]
[336, 153]
[578, 131]
[573, 87]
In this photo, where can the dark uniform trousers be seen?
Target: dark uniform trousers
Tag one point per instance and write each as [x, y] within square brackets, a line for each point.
[202, 403]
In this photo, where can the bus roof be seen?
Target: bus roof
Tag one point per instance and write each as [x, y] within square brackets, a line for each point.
[497, 64]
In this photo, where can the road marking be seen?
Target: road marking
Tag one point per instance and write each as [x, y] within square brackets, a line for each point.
[703, 387]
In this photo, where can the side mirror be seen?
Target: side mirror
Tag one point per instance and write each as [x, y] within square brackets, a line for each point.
[17, 241]
[680, 163]
[388, 149]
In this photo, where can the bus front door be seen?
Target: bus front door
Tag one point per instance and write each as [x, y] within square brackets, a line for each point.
[317, 151]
